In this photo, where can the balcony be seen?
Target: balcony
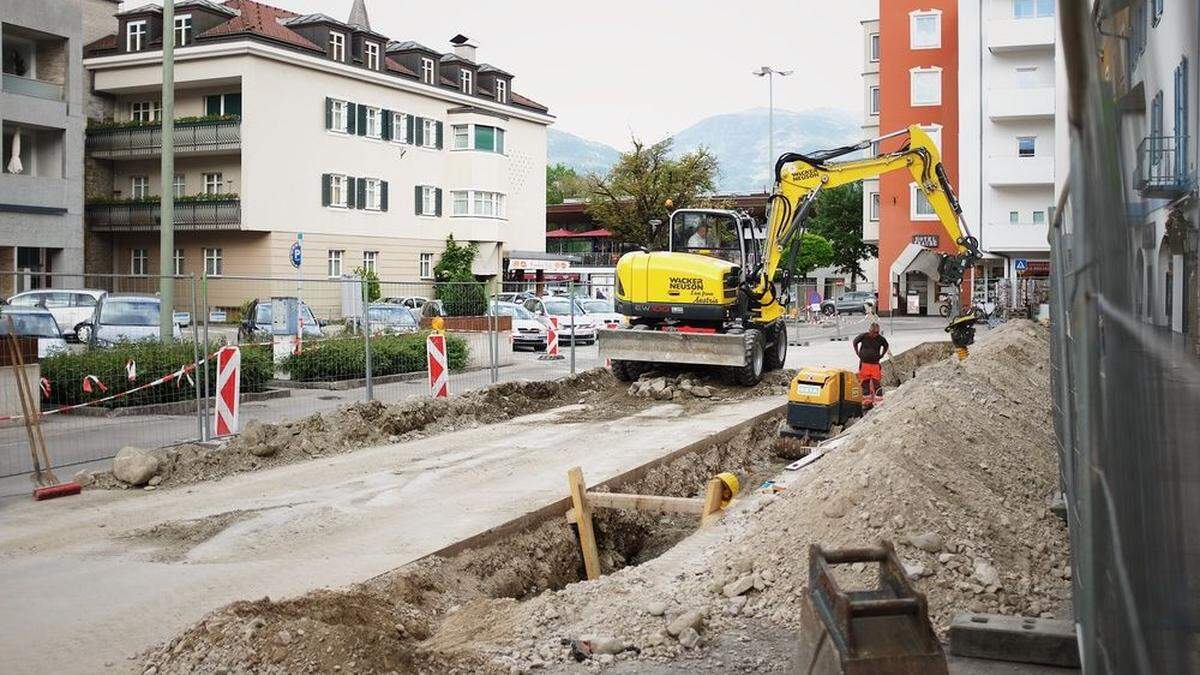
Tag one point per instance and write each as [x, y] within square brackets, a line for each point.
[223, 214]
[202, 137]
[1019, 171]
[1010, 35]
[1021, 104]
[1162, 170]
[33, 64]
[25, 86]
[1009, 237]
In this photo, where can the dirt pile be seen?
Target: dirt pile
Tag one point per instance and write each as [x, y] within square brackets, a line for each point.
[359, 425]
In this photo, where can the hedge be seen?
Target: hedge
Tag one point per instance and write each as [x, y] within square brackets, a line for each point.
[345, 358]
[65, 373]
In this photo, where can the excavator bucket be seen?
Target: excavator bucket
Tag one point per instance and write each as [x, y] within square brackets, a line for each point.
[668, 347]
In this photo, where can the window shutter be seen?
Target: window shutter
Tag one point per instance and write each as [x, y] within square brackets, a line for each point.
[361, 198]
[351, 192]
[417, 199]
[212, 104]
[409, 123]
[418, 130]
[362, 120]
[328, 113]
[383, 195]
[385, 127]
[351, 117]
[233, 104]
[437, 202]
[325, 189]
[439, 134]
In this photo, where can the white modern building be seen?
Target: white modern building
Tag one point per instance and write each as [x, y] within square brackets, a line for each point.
[374, 149]
[1007, 156]
[871, 104]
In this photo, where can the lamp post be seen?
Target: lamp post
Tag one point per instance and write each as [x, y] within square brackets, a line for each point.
[166, 228]
[770, 73]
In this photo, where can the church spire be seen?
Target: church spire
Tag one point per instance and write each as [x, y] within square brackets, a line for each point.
[358, 15]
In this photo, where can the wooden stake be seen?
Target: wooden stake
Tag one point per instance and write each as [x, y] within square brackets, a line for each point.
[712, 502]
[583, 512]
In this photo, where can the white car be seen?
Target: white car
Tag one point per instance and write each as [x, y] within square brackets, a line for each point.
[559, 308]
[35, 322]
[527, 330]
[128, 318]
[603, 313]
[72, 309]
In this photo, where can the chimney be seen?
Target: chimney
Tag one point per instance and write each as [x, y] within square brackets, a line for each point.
[463, 47]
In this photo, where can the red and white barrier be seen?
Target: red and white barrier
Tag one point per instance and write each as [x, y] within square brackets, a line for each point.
[229, 391]
[552, 338]
[435, 356]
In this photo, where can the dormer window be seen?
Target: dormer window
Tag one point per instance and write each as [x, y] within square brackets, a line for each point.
[501, 91]
[337, 46]
[371, 55]
[183, 30]
[135, 36]
[427, 70]
[464, 80]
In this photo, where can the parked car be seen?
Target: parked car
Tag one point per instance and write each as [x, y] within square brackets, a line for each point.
[527, 330]
[127, 318]
[515, 298]
[851, 302]
[35, 322]
[559, 308]
[72, 309]
[603, 313]
[258, 323]
[432, 308]
[409, 301]
[387, 318]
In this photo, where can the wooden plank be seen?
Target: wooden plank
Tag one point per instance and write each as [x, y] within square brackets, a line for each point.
[712, 502]
[627, 502]
[587, 537]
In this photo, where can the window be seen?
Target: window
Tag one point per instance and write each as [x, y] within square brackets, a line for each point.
[921, 209]
[873, 40]
[179, 185]
[338, 116]
[400, 128]
[501, 91]
[1039, 217]
[139, 187]
[465, 81]
[337, 46]
[1182, 118]
[874, 212]
[1156, 128]
[462, 137]
[372, 194]
[214, 183]
[371, 55]
[1026, 146]
[1029, 9]
[335, 264]
[935, 134]
[429, 133]
[425, 268]
[925, 86]
[480, 203]
[427, 70]
[223, 104]
[179, 262]
[370, 261]
[874, 100]
[338, 190]
[429, 199]
[461, 203]
[183, 29]
[139, 262]
[374, 117]
[145, 111]
[489, 139]
[1027, 78]
[925, 30]
[1014, 217]
[135, 36]
[214, 262]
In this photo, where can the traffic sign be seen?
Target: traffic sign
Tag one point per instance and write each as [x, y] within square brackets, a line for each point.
[229, 385]
[1020, 264]
[296, 254]
[435, 357]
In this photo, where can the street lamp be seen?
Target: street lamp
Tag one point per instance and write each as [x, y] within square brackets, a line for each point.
[770, 73]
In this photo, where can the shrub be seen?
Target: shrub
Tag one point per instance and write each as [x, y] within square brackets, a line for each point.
[345, 358]
[154, 359]
[460, 293]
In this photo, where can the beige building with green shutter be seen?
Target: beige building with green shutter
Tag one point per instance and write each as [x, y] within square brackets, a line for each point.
[374, 149]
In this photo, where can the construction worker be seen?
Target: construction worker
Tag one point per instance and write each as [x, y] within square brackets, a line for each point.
[870, 348]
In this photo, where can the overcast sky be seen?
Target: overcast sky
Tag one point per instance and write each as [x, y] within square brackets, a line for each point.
[649, 67]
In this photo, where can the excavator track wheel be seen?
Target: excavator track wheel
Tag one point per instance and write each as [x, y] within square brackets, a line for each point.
[777, 354]
[751, 373]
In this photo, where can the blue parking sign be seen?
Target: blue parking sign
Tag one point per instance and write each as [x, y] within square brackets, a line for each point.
[296, 255]
[1020, 264]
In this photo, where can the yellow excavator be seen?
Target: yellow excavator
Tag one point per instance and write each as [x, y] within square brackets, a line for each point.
[719, 294]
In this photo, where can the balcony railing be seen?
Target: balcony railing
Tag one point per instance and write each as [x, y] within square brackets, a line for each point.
[15, 84]
[1162, 167]
[144, 217]
[146, 141]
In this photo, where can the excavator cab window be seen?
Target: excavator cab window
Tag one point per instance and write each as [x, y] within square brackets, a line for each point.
[711, 233]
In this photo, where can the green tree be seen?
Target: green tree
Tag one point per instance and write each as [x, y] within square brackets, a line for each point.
[837, 216]
[639, 187]
[456, 287]
[563, 183]
[815, 251]
[372, 280]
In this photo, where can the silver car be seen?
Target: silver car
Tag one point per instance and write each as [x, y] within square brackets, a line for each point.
[35, 322]
[128, 318]
[559, 308]
[72, 309]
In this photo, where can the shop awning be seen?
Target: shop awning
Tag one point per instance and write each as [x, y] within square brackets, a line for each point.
[916, 258]
[560, 233]
[563, 233]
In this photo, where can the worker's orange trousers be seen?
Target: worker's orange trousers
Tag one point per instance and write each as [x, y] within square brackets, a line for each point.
[870, 375]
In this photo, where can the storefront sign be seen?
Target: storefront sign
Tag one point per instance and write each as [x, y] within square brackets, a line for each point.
[533, 264]
[926, 240]
[1035, 268]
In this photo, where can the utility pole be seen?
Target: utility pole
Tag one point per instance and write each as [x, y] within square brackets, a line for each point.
[770, 73]
[166, 224]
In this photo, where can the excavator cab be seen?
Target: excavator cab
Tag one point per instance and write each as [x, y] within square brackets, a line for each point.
[716, 233]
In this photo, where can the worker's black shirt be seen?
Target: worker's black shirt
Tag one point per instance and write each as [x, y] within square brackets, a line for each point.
[870, 349]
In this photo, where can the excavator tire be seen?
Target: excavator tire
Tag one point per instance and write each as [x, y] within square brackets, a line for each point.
[627, 371]
[777, 353]
[751, 373]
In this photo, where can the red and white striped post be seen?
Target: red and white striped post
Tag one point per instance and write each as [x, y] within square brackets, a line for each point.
[551, 342]
[435, 356]
[229, 391]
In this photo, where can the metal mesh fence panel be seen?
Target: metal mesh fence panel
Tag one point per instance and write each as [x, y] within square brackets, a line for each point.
[1126, 382]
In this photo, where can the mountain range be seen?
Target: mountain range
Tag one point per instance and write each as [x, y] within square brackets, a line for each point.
[738, 140]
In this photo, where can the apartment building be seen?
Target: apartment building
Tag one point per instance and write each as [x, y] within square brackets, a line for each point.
[43, 106]
[912, 57]
[373, 149]
[871, 104]
[1007, 125]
